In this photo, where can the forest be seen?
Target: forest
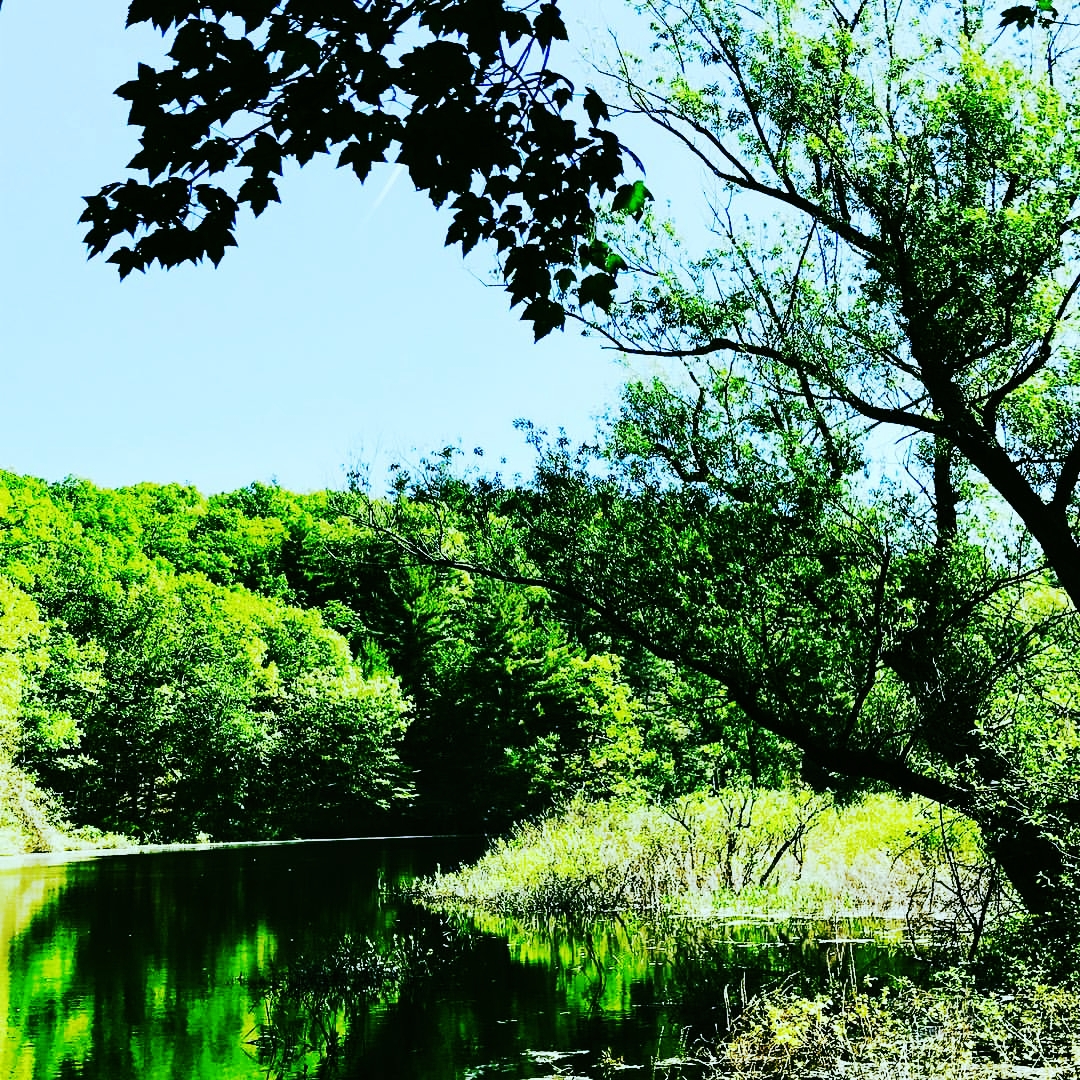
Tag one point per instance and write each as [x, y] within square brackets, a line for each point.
[260, 664]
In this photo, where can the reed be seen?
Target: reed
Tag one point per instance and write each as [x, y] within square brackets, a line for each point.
[737, 851]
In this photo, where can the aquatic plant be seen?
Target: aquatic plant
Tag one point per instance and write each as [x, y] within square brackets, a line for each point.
[900, 1030]
[738, 851]
[310, 1007]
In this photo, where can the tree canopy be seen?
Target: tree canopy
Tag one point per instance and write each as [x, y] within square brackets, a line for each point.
[851, 497]
[460, 90]
[158, 702]
[262, 664]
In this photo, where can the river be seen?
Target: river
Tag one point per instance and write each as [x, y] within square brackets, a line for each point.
[305, 960]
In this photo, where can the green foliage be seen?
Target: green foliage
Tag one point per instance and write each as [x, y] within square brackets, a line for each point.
[240, 718]
[160, 703]
[514, 702]
[950, 1030]
[461, 94]
[261, 663]
[596, 746]
[740, 851]
[918, 274]
[21, 630]
[891, 250]
[30, 819]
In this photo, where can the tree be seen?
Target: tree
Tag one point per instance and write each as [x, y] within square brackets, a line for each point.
[917, 631]
[163, 704]
[852, 500]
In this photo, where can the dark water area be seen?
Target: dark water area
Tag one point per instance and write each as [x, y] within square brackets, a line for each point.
[227, 963]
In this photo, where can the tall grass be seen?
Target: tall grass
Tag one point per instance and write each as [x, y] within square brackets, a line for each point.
[739, 851]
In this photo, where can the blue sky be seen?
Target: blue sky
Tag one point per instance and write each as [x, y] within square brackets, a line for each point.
[340, 330]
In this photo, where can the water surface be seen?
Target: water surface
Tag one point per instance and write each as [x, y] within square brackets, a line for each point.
[188, 965]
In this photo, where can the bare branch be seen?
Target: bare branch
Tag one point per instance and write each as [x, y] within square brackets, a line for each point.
[672, 121]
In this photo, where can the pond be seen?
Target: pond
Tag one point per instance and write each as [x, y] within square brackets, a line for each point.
[306, 959]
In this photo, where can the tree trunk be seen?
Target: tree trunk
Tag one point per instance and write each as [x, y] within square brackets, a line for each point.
[1035, 865]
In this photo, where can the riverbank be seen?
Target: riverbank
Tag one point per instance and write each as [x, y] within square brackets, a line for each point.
[120, 845]
[32, 821]
[951, 1030]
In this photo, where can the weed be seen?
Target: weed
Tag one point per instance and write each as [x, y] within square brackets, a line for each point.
[739, 851]
[902, 1031]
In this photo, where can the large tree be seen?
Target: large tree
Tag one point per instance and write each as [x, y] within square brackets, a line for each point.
[852, 496]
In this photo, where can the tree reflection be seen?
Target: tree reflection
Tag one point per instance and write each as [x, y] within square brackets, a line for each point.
[317, 1007]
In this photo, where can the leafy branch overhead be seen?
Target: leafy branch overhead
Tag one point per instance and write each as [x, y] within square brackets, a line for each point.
[1025, 16]
[459, 91]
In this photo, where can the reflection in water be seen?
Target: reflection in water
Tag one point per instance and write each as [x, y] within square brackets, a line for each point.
[303, 959]
[316, 1009]
[140, 966]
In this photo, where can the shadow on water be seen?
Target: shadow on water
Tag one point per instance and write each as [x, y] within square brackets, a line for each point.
[547, 998]
[305, 960]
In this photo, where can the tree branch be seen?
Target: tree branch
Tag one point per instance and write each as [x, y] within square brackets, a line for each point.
[1067, 480]
[742, 178]
[1041, 359]
[825, 754]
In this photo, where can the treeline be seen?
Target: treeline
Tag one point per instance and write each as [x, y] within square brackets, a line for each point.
[263, 664]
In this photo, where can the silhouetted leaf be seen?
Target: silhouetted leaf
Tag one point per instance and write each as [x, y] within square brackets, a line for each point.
[597, 289]
[548, 26]
[594, 106]
[564, 278]
[631, 199]
[545, 315]
[1022, 17]
[258, 192]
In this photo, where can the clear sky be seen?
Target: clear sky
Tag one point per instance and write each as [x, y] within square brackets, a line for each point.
[340, 330]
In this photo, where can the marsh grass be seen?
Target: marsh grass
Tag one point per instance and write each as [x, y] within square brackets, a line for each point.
[736, 852]
[902, 1032]
[755, 854]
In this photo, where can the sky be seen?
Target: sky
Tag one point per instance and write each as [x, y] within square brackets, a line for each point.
[340, 331]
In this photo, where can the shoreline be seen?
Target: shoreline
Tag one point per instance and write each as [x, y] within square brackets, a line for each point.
[48, 858]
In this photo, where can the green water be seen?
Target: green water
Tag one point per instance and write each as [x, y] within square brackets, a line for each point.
[177, 965]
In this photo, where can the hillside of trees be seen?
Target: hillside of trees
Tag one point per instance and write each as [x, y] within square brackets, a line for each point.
[261, 664]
